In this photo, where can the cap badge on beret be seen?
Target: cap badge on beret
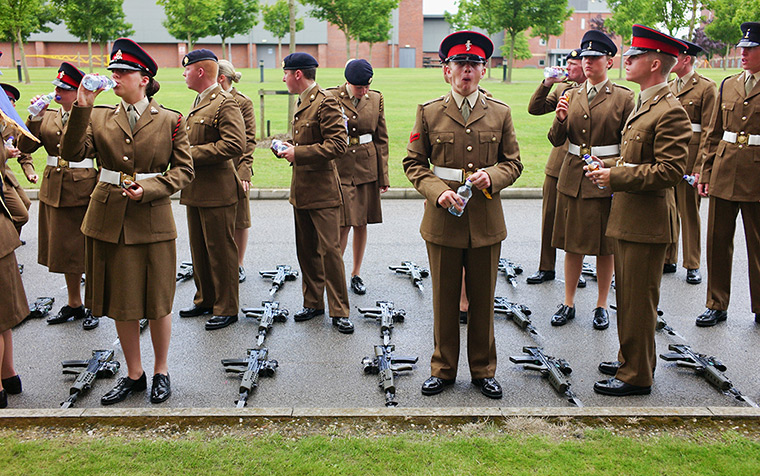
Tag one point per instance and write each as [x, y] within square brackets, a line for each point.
[468, 45]
[746, 35]
[573, 53]
[61, 74]
[117, 56]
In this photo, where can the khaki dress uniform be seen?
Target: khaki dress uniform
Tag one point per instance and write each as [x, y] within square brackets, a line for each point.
[698, 97]
[486, 140]
[64, 196]
[244, 163]
[130, 252]
[643, 223]
[15, 198]
[216, 130]
[732, 168]
[363, 169]
[582, 207]
[320, 138]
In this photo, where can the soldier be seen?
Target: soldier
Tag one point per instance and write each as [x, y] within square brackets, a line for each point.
[589, 119]
[217, 134]
[463, 135]
[642, 219]
[363, 169]
[64, 194]
[729, 178]
[244, 164]
[15, 198]
[319, 138]
[697, 95]
[544, 101]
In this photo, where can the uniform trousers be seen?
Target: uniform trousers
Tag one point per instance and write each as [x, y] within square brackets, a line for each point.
[481, 266]
[687, 202]
[321, 260]
[215, 258]
[638, 272]
[721, 225]
[548, 210]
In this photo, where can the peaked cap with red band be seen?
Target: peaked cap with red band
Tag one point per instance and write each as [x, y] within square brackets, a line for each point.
[466, 46]
[126, 54]
[69, 77]
[646, 39]
[12, 93]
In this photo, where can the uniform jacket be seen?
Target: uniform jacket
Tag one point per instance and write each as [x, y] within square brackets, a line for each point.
[698, 97]
[158, 144]
[26, 161]
[244, 163]
[486, 141]
[61, 186]
[216, 131]
[544, 101]
[319, 137]
[9, 239]
[364, 163]
[655, 143]
[588, 125]
[733, 170]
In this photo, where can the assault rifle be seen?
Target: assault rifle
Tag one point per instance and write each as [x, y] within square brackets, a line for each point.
[250, 369]
[279, 276]
[518, 313]
[386, 313]
[551, 367]
[510, 270]
[708, 367]
[101, 364]
[143, 326]
[589, 270]
[266, 315]
[386, 365]
[40, 307]
[185, 271]
[414, 272]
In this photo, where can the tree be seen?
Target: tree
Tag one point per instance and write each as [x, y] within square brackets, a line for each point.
[625, 13]
[110, 29]
[597, 23]
[21, 18]
[378, 31]
[236, 17]
[551, 21]
[726, 24]
[189, 20]
[521, 50]
[711, 47]
[277, 22]
[673, 14]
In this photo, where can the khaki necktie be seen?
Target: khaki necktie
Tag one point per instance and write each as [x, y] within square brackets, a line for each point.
[591, 94]
[355, 101]
[64, 118]
[465, 109]
[132, 116]
[638, 103]
[679, 85]
[749, 85]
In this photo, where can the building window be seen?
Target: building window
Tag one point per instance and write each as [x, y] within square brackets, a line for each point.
[541, 42]
[583, 23]
[541, 62]
[557, 43]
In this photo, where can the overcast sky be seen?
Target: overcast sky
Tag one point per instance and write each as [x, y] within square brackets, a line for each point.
[437, 7]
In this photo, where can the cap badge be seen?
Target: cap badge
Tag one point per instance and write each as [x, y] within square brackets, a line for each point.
[573, 53]
[589, 44]
[61, 74]
[746, 35]
[117, 56]
[468, 45]
[184, 61]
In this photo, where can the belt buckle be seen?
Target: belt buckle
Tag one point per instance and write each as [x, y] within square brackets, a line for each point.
[585, 151]
[742, 138]
[62, 163]
[353, 141]
[466, 174]
[123, 177]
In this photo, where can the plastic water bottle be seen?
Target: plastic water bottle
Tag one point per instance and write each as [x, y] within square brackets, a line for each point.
[279, 146]
[38, 105]
[93, 82]
[691, 180]
[464, 192]
[591, 165]
[555, 72]
[9, 143]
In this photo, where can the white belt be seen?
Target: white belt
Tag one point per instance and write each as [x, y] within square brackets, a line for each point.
[54, 161]
[696, 127]
[447, 173]
[741, 138]
[117, 178]
[598, 151]
[362, 139]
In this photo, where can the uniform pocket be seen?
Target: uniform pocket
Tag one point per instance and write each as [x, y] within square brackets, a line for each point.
[161, 218]
[442, 145]
[489, 143]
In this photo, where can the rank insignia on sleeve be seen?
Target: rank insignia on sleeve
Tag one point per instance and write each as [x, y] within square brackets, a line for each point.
[413, 137]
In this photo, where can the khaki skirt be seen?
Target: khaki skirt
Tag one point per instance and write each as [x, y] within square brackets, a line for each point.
[13, 305]
[361, 204]
[580, 225]
[243, 217]
[60, 238]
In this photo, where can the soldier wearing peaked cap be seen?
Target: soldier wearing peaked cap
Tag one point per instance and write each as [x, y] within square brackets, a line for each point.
[463, 135]
[730, 178]
[642, 220]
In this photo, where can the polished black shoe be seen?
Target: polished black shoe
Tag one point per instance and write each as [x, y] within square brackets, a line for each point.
[241, 274]
[344, 325]
[195, 311]
[67, 313]
[601, 318]
[693, 276]
[711, 317]
[581, 282]
[757, 317]
[563, 314]
[307, 313]
[618, 388]
[610, 367]
[12, 385]
[161, 388]
[123, 389]
[357, 285]
[90, 322]
[488, 387]
[540, 276]
[435, 385]
[220, 322]
[3, 399]
[463, 317]
[669, 268]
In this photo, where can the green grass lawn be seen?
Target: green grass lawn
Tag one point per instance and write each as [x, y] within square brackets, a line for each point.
[403, 90]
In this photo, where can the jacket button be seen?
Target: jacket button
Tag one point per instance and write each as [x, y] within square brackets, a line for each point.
[296, 118]
[629, 127]
[493, 139]
[353, 129]
[583, 145]
[638, 137]
[469, 148]
[57, 169]
[296, 131]
[187, 127]
[57, 133]
[353, 117]
[438, 141]
[128, 140]
[468, 130]
[584, 131]
[470, 165]
[744, 118]
[123, 194]
[353, 150]
[585, 116]
[202, 121]
[625, 142]
[125, 158]
[58, 145]
[745, 103]
[691, 103]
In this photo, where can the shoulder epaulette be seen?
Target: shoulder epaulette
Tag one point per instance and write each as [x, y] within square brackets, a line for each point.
[106, 106]
[621, 86]
[497, 101]
[243, 94]
[432, 101]
[168, 109]
[724, 81]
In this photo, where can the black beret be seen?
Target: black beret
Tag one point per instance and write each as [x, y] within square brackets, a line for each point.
[199, 55]
[575, 54]
[127, 54]
[69, 77]
[693, 49]
[750, 35]
[466, 46]
[646, 39]
[358, 72]
[299, 60]
[11, 91]
[596, 43]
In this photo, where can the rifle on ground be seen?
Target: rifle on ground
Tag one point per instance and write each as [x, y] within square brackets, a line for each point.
[414, 272]
[518, 313]
[662, 325]
[185, 271]
[250, 369]
[143, 326]
[589, 270]
[40, 307]
[386, 365]
[708, 367]
[266, 315]
[386, 313]
[551, 367]
[279, 276]
[101, 364]
[510, 270]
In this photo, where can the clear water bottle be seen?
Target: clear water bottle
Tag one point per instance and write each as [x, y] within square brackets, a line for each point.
[465, 193]
[555, 72]
[591, 165]
[93, 82]
[279, 146]
[691, 180]
[38, 105]
[9, 143]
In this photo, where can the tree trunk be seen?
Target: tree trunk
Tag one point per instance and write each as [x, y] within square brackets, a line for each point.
[725, 57]
[189, 43]
[370, 53]
[13, 53]
[224, 48]
[357, 48]
[692, 21]
[279, 51]
[513, 39]
[348, 46]
[23, 57]
[89, 46]
[620, 69]
[292, 98]
[104, 60]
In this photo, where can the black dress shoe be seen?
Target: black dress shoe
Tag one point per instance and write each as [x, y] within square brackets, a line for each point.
[357, 285]
[601, 318]
[693, 276]
[123, 389]
[67, 313]
[618, 388]
[711, 317]
[195, 311]
[757, 317]
[488, 387]
[90, 322]
[540, 276]
[611, 367]
[435, 385]
[344, 325]
[3, 399]
[581, 282]
[463, 317]
[12, 385]
[668, 268]
[241, 274]
[220, 322]
[563, 314]
[307, 313]
[161, 389]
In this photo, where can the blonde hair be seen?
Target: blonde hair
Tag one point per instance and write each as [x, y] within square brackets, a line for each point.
[228, 70]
